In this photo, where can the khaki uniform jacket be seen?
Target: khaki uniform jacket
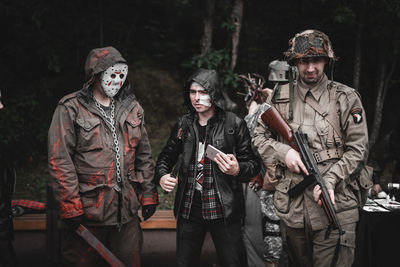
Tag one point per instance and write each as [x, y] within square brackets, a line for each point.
[336, 172]
[82, 161]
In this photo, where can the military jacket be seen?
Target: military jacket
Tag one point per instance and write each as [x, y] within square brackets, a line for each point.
[336, 171]
[82, 159]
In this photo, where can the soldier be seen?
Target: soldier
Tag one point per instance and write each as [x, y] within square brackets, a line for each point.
[100, 162]
[332, 116]
[7, 182]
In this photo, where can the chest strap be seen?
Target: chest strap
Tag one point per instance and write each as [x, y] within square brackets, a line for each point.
[333, 153]
[334, 132]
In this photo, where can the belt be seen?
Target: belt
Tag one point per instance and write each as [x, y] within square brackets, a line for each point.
[333, 153]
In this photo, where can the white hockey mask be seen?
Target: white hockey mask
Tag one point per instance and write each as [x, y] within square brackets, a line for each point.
[113, 78]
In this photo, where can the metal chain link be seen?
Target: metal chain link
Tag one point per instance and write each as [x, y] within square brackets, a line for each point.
[111, 122]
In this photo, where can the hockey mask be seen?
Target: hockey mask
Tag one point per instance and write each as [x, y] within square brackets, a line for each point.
[113, 78]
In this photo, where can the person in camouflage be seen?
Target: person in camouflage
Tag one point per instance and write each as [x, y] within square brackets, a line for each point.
[101, 164]
[265, 249]
[332, 116]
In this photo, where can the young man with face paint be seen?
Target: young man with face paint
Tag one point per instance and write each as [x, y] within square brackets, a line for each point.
[209, 195]
[100, 163]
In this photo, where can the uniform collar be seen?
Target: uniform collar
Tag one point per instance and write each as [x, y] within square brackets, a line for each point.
[316, 91]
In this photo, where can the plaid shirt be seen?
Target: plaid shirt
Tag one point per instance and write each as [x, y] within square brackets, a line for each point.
[211, 205]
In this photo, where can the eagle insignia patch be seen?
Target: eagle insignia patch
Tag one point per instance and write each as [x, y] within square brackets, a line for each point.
[357, 115]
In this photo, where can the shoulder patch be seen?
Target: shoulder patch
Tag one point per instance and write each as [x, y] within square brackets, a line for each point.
[357, 115]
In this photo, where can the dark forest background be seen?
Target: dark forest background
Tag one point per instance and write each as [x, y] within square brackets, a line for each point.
[45, 43]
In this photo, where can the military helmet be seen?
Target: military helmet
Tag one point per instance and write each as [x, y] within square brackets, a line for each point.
[309, 43]
[278, 71]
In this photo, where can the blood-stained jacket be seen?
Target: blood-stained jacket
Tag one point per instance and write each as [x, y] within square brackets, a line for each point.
[82, 159]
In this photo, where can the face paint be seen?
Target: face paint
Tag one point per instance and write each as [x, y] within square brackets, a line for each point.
[205, 100]
[113, 78]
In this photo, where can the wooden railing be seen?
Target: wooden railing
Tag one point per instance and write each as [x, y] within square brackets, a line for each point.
[162, 219]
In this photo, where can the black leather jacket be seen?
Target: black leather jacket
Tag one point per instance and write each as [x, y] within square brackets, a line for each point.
[183, 140]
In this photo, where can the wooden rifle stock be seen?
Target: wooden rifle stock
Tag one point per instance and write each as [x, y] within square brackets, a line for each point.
[277, 122]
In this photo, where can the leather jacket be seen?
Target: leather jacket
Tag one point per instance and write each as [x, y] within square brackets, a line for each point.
[184, 140]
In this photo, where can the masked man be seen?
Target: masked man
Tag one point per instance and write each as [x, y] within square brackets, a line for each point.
[100, 162]
[332, 116]
[7, 182]
[209, 195]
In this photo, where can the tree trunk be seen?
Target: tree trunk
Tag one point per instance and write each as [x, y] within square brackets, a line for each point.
[358, 54]
[236, 17]
[378, 105]
[206, 39]
[384, 80]
[101, 26]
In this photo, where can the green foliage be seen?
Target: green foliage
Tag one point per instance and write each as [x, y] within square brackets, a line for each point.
[228, 25]
[32, 181]
[218, 60]
[344, 14]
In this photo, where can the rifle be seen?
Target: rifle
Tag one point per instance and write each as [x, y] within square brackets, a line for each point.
[298, 141]
[253, 84]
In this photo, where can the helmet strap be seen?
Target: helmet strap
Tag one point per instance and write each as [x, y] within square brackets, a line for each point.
[292, 83]
[332, 68]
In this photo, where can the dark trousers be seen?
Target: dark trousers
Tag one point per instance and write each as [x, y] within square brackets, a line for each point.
[124, 244]
[190, 236]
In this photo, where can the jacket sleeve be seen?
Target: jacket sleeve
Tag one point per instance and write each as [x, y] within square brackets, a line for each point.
[249, 165]
[170, 153]
[144, 167]
[355, 134]
[270, 150]
[61, 144]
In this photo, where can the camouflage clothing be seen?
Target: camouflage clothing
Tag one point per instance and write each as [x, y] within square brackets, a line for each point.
[272, 245]
[272, 233]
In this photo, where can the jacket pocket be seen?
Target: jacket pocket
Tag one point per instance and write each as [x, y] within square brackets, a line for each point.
[348, 239]
[344, 199]
[89, 137]
[281, 197]
[93, 190]
[133, 126]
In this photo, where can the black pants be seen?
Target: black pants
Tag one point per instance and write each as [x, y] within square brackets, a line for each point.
[190, 236]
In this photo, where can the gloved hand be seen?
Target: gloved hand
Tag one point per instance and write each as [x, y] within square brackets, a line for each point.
[74, 222]
[148, 210]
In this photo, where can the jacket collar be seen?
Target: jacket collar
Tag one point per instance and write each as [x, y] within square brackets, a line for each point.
[316, 90]
[125, 96]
